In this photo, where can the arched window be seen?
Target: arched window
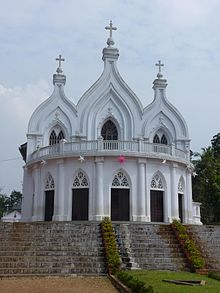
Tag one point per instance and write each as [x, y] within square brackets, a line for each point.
[181, 185]
[49, 183]
[163, 139]
[156, 182]
[109, 131]
[120, 180]
[80, 181]
[156, 139]
[54, 138]
[60, 136]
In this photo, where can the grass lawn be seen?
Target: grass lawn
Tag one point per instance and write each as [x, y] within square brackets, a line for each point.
[154, 278]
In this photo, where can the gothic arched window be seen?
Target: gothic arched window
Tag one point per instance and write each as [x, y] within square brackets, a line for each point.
[60, 136]
[80, 181]
[156, 139]
[49, 183]
[54, 138]
[156, 182]
[120, 180]
[109, 131]
[163, 139]
[181, 185]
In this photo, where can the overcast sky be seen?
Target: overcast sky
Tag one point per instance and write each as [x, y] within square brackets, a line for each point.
[184, 34]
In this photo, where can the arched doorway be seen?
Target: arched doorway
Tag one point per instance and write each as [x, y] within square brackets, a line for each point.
[49, 198]
[181, 198]
[80, 197]
[157, 199]
[109, 132]
[120, 198]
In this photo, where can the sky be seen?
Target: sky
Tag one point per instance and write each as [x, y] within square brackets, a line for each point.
[183, 34]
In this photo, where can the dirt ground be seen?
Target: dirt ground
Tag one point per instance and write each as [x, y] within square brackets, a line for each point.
[57, 285]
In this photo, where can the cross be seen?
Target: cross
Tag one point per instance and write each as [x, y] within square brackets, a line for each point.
[111, 28]
[60, 59]
[159, 64]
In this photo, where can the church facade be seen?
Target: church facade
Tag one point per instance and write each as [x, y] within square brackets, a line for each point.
[108, 156]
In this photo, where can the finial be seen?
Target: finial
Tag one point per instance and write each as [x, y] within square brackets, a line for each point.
[59, 69]
[159, 64]
[110, 41]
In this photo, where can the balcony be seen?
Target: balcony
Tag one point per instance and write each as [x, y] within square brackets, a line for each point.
[109, 147]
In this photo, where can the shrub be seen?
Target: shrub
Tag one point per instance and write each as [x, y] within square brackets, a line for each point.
[189, 245]
[214, 276]
[111, 250]
[133, 283]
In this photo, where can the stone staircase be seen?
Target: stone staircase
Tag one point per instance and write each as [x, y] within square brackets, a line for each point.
[150, 247]
[55, 248]
[208, 239]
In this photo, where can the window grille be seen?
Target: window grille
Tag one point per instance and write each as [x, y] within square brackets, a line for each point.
[120, 180]
[80, 180]
[49, 182]
[156, 182]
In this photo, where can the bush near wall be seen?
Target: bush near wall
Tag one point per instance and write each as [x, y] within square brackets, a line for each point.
[189, 246]
[111, 249]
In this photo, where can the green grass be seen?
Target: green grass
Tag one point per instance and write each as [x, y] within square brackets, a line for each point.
[154, 278]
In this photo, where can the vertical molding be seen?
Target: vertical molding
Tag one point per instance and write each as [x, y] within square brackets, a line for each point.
[99, 202]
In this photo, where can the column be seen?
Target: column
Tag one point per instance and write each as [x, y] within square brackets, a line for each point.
[147, 184]
[36, 194]
[189, 197]
[174, 193]
[99, 202]
[141, 209]
[59, 194]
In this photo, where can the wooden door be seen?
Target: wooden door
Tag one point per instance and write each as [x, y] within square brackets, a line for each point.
[180, 203]
[156, 205]
[120, 199]
[80, 204]
[49, 205]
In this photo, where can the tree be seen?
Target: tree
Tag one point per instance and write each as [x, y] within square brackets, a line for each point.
[8, 202]
[14, 199]
[206, 185]
[216, 145]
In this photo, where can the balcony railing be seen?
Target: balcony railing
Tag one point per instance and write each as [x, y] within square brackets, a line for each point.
[106, 146]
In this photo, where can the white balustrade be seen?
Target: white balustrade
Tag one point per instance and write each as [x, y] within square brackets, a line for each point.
[103, 146]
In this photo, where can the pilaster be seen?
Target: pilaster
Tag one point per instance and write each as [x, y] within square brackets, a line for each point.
[141, 211]
[99, 202]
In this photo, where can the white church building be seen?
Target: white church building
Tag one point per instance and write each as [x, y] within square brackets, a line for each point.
[108, 156]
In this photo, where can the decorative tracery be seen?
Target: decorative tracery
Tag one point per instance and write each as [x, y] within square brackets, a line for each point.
[156, 182]
[49, 183]
[120, 180]
[80, 180]
[181, 186]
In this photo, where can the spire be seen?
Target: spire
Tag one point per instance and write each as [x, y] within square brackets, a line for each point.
[59, 78]
[110, 53]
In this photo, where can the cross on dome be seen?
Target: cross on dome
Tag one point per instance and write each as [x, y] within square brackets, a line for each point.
[60, 59]
[159, 64]
[111, 28]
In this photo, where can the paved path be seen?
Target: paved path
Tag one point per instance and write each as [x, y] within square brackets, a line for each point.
[57, 285]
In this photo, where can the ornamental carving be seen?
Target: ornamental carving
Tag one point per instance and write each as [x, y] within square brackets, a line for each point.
[120, 180]
[156, 182]
[49, 183]
[80, 180]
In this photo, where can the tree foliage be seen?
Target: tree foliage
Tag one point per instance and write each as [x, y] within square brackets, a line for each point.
[206, 185]
[7, 203]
